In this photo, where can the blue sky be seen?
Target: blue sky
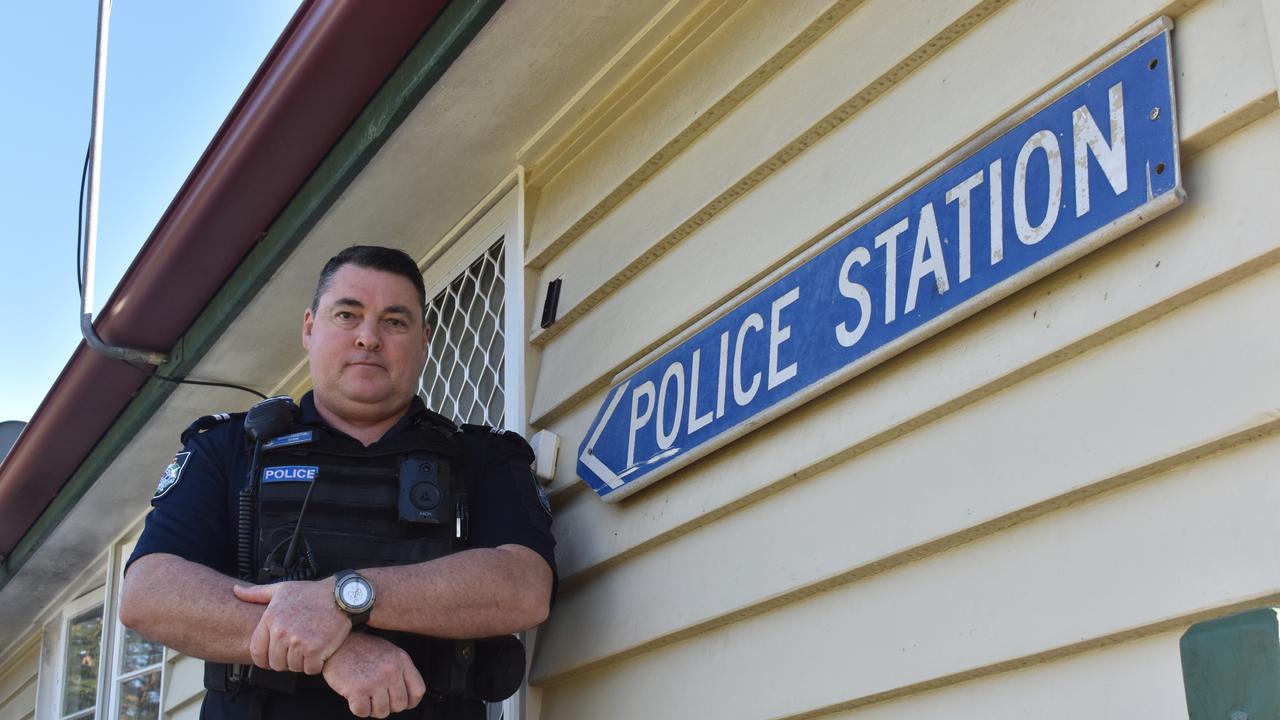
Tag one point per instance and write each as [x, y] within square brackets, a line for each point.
[175, 67]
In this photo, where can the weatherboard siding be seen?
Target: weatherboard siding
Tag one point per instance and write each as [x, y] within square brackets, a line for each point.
[1035, 501]
[647, 130]
[933, 110]
[18, 674]
[184, 686]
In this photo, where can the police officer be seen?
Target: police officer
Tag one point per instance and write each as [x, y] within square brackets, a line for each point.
[366, 340]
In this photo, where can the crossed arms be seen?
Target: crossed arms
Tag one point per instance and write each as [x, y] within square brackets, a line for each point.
[296, 626]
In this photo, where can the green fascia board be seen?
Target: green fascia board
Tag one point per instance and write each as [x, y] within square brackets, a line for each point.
[426, 63]
[1231, 667]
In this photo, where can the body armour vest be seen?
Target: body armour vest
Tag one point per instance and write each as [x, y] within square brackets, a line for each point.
[319, 503]
[327, 503]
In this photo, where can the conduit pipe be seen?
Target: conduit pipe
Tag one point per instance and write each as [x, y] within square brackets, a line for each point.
[91, 215]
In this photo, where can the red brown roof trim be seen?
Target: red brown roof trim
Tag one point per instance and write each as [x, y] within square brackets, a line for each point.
[326, 65]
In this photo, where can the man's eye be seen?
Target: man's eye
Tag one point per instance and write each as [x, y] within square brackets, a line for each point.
[397, 323]
[344, 315]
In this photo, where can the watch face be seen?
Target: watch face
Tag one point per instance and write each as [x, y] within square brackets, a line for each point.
[355, 593]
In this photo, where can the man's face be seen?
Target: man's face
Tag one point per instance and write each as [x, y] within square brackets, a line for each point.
[366, 344]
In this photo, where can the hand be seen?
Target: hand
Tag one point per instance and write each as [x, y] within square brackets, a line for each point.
[301, 627]
[376, 677]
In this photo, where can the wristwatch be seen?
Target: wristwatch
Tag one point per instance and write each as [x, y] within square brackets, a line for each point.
[354, 595]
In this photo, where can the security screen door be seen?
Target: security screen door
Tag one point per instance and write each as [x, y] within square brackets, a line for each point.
[466, 357]
[473, 375]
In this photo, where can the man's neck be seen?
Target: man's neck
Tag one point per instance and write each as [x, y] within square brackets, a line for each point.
[366, 431]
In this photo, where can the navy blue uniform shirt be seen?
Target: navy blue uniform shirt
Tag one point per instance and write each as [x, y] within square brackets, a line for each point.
[194, 515]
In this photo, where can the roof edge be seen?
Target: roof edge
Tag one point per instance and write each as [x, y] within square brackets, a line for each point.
[430, 57]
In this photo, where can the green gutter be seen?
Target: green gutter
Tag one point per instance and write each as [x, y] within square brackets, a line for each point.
[451, 32]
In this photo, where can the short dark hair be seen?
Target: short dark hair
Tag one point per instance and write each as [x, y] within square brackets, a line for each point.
[373, 257]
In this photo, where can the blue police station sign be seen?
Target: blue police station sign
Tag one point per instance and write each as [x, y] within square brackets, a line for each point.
[1090, 160]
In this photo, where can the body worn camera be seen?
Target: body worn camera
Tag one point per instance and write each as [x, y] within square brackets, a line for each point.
[421, 498]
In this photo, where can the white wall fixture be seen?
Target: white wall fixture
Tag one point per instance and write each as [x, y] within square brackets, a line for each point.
[546, 445]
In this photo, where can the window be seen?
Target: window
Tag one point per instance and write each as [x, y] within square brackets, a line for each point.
[81, 656]
[96, 666]
[138, 677]
[138, 666]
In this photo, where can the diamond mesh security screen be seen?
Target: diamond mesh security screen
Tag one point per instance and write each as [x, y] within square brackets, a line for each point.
[463, 379]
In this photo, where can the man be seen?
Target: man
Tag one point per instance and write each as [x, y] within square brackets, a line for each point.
[366, 339]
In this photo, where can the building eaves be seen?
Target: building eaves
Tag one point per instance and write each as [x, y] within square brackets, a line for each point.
[268, 175]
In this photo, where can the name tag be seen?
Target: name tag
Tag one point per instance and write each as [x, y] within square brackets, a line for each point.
[292, 439]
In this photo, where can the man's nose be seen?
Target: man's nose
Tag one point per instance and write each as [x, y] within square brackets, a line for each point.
[367, 338]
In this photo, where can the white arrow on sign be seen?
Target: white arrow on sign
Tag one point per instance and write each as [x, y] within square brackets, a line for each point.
[588, 457]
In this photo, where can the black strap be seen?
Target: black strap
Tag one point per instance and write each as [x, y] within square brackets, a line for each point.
[452, 709]
[483, 446]
[204, 423]
[225, 677]
[495, 445]
[215, 676]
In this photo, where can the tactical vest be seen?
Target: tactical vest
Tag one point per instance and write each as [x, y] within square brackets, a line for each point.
[322, 503]
[401, 501]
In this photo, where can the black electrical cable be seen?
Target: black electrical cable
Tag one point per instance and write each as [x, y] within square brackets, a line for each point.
[84, 174]
[80, 232]
[233, 386]
[185, 381]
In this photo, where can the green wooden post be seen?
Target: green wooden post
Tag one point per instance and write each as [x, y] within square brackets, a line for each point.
[1231, 667]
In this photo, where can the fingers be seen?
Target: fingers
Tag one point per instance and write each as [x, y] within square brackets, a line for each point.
[381, 703]
[300, 628]
[295, 659]
[414, 685]
[259, 644]
[378, 705]
[260, 594]
[313, 664]
[398, 693]
[278, 653]
[360, 705]
[376, 677]
[270, 647]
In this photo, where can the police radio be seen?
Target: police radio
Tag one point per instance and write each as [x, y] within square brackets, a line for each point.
[269, 417]
[264, 421]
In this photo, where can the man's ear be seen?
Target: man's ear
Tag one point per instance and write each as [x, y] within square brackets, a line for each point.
[308, 320]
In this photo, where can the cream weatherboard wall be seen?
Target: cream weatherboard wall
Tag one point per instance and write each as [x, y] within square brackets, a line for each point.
[32, 672]
[18, 676]
[1015, 518]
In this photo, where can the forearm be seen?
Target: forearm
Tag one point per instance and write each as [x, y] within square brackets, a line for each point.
[189, 608]
[475, 593]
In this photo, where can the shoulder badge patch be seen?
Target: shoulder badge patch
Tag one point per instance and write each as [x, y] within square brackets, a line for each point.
[172, 474]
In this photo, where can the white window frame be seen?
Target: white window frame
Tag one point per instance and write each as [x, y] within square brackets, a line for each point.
[121, 553]
[97, 597]
[99, 583]
[500, 215]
